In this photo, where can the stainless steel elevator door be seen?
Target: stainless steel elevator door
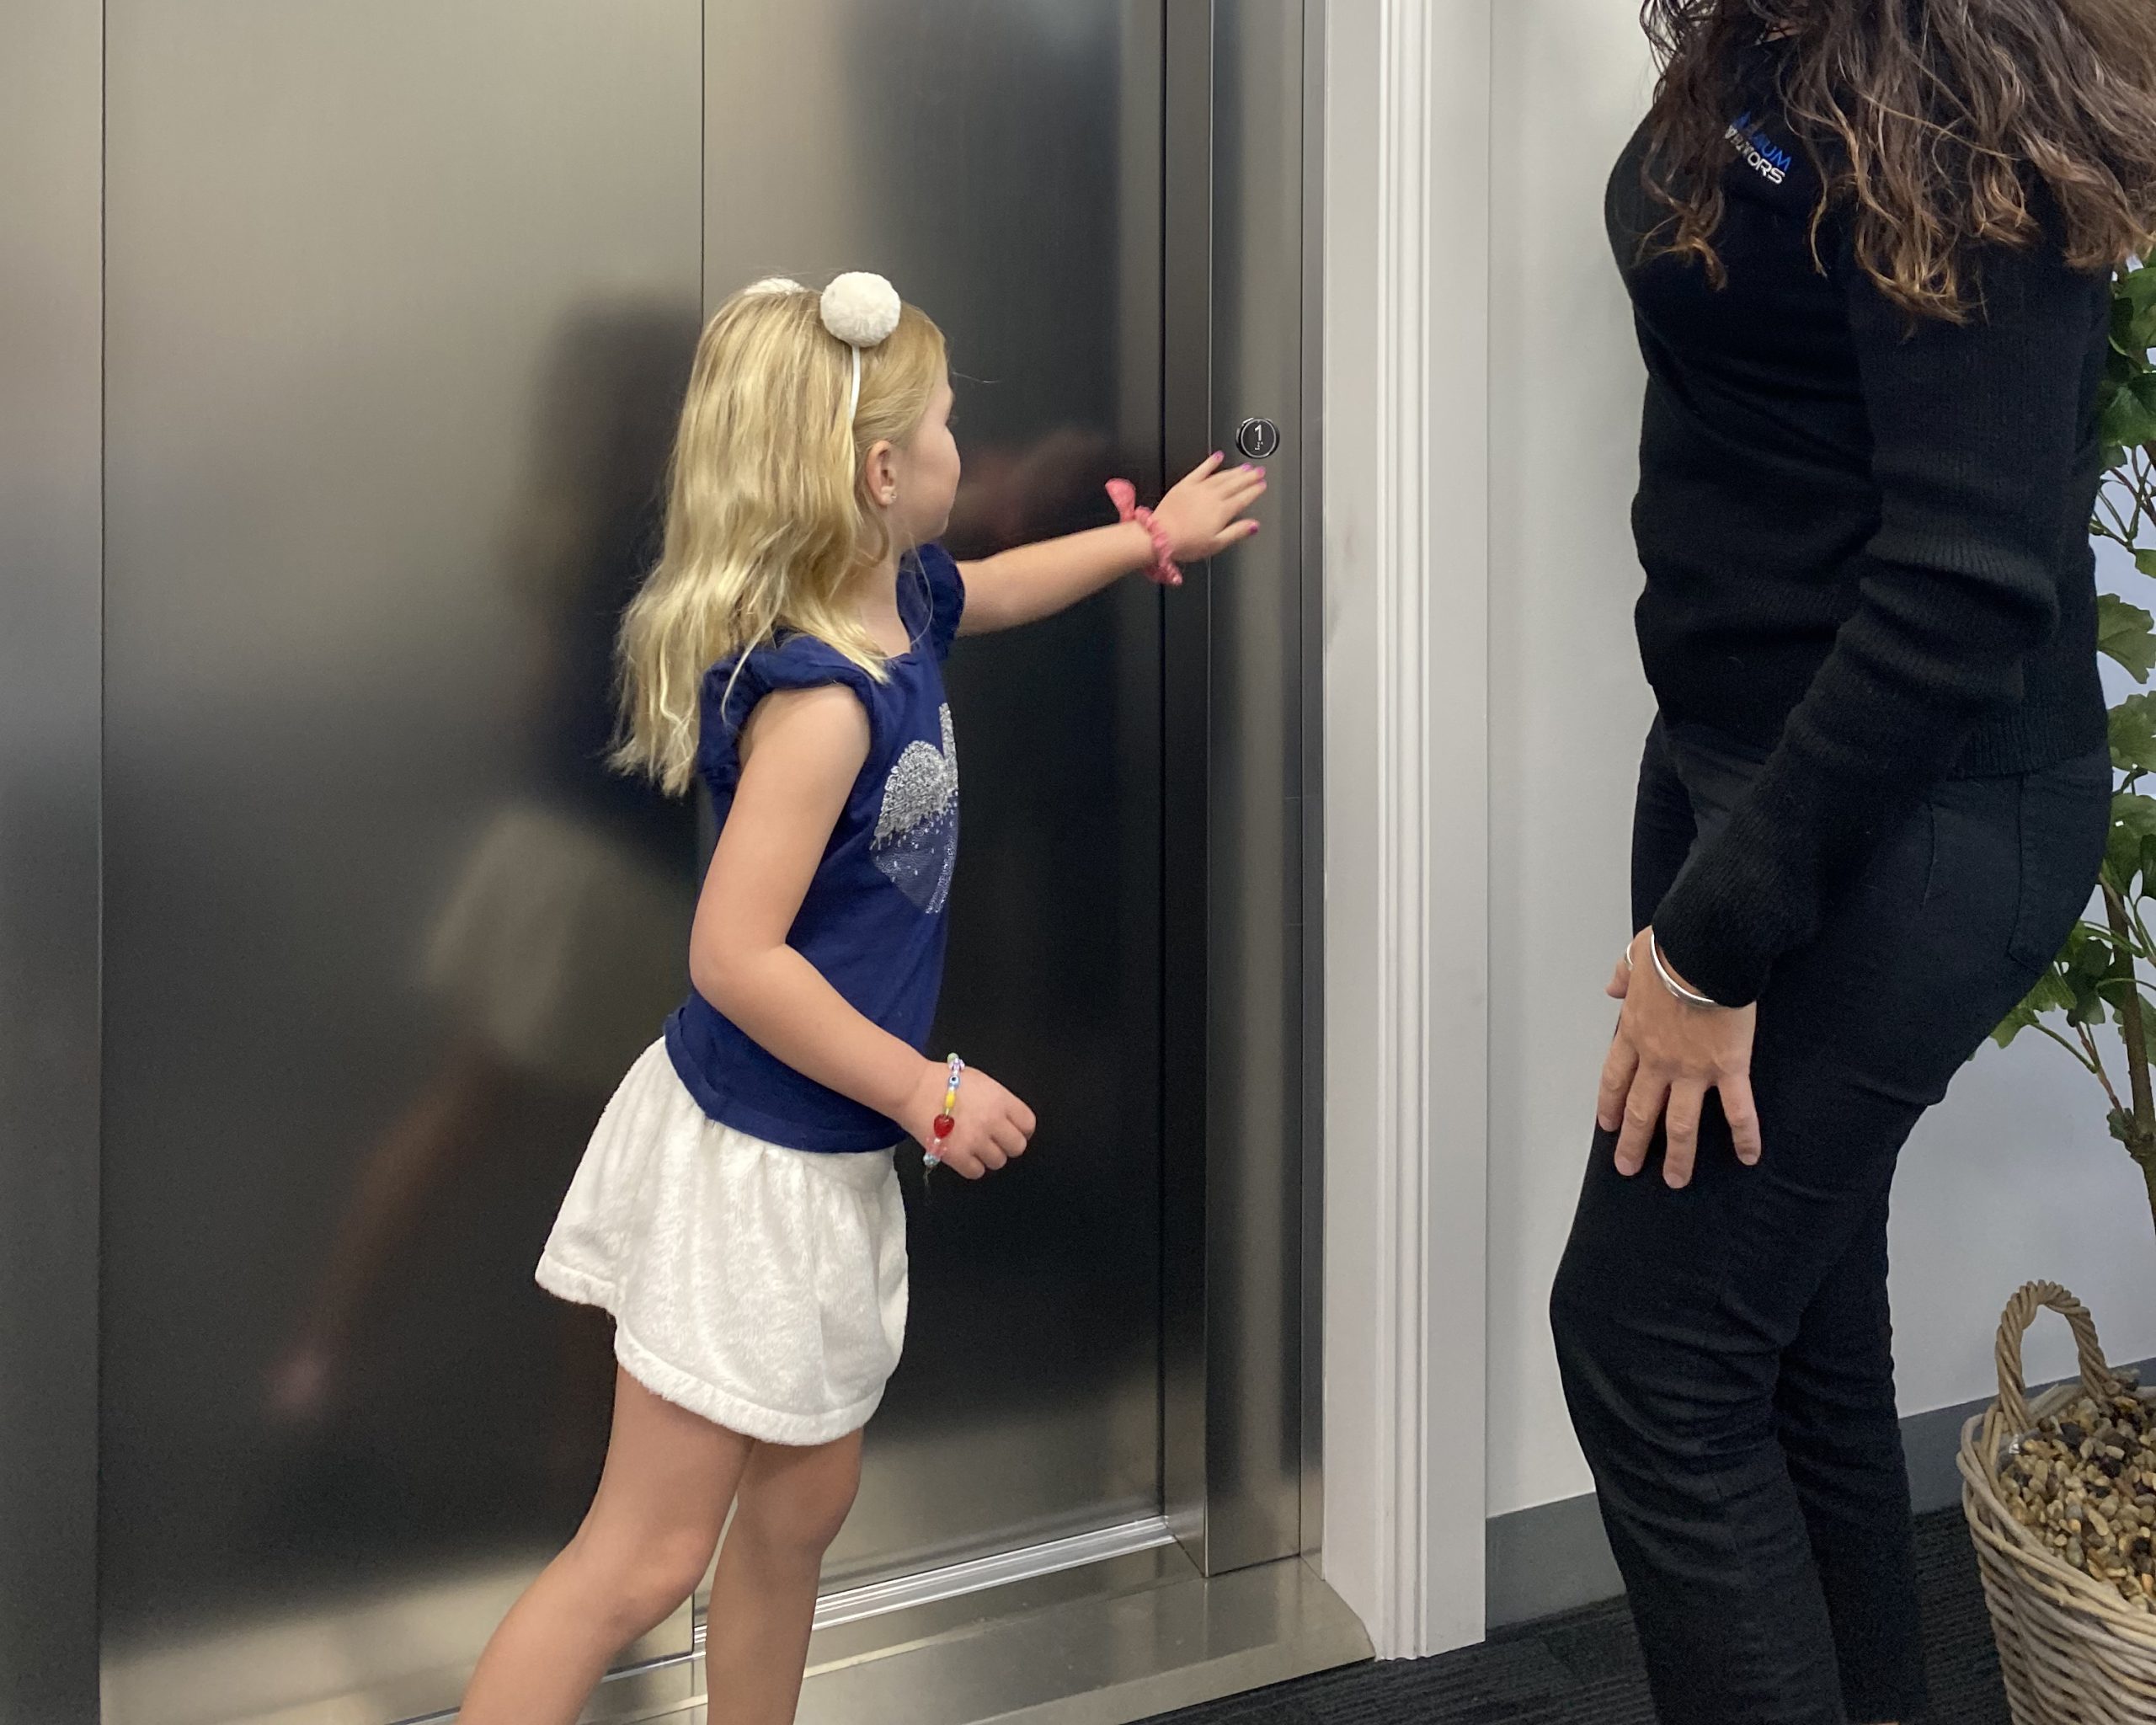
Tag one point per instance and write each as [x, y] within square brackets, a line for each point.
[1002, 165]
[401, 295]
[399, 299]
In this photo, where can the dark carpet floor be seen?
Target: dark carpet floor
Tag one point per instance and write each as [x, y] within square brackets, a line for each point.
[1583, 1667]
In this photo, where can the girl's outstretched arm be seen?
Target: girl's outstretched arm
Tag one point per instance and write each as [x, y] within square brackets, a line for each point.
[1203, 515]
[802, 750]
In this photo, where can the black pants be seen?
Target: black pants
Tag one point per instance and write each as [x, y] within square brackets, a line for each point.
[1725, 1349]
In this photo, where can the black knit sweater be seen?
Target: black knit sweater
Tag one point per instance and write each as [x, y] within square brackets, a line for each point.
[1865, 538]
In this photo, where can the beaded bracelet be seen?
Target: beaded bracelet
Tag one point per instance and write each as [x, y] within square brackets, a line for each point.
[948, 1121]
[1162, 571]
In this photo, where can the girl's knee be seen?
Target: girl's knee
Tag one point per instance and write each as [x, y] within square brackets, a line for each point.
[798, 1511]
[639, 1582]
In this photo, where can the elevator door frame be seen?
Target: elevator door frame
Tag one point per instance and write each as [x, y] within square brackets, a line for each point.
[1244, 905]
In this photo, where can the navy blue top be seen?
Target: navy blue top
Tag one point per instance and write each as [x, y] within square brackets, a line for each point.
[874, 920]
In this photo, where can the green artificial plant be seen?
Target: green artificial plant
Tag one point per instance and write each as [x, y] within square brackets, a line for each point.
[2105, 972]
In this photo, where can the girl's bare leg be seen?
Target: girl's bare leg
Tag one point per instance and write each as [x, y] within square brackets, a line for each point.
[642, 1548]
[763, 1599]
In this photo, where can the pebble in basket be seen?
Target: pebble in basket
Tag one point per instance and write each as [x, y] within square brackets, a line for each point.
[2060, 1495]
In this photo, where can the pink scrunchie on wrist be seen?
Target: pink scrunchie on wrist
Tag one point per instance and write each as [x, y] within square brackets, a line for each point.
[1162, 571]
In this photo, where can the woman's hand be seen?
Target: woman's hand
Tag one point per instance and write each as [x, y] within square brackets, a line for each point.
[1664, 1059]
[1201, 515]
[990, 1126]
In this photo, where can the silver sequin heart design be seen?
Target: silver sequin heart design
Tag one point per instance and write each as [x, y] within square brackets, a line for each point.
[916, 843]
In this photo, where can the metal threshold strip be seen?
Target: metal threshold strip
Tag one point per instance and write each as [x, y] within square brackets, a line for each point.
[1106, 1644]
[1104, 1629]
[979, 1574]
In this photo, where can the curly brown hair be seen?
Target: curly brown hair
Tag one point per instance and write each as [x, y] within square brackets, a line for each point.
[1938, 126]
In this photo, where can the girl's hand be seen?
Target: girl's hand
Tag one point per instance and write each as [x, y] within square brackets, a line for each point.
[992, 1126]
[1201, 516]
[1664, 1059]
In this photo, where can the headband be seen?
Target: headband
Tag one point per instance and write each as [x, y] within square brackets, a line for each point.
[862, 310]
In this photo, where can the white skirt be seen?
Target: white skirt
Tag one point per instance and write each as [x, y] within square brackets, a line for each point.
[764, 1288]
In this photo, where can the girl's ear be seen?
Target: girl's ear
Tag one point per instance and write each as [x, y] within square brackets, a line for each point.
[881, 470]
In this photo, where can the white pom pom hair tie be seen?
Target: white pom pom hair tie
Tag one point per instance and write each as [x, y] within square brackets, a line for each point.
[862, 309]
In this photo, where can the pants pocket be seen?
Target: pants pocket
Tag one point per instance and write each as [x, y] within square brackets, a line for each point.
[2064, 815]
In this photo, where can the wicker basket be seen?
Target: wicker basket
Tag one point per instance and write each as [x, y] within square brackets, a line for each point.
[2070, 1650]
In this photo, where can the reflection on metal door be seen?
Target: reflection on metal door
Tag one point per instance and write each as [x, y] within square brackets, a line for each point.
[1002, 165]
[400, 297]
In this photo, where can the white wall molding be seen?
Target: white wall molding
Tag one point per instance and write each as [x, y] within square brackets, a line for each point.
[1406, 544]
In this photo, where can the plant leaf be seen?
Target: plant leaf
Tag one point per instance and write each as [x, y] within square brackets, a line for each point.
[2076, 980]
[2126, 400]
[2128, 420]
[2126, 634]
[2012, 1025]
[2133, 825]
[2145, 561]
[2133, 735]
[2053, 993]
[2126, 316]
[2133, 310]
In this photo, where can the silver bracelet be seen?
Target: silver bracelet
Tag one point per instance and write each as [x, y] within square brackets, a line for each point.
[1691, 997]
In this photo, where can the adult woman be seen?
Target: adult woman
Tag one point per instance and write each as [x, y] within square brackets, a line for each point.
[1867, 243]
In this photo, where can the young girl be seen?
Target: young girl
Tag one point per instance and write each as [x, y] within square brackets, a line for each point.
[738, 1212]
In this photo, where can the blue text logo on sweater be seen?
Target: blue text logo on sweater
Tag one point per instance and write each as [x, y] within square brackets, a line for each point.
[1769, 157]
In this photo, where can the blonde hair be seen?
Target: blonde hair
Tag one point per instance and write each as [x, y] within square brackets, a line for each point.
[769, 521]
